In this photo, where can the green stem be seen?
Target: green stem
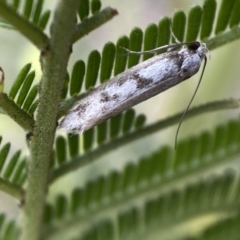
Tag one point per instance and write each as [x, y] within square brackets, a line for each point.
[80, 222]
[16, 113]
[30, 31]
[93, 22]
[92, 156]
[223, 38]
[54, 63]
[12, 189]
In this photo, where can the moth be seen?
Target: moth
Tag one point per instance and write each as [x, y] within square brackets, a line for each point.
[135, 85]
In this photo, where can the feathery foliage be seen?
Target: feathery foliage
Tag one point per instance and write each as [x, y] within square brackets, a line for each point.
[149, 198]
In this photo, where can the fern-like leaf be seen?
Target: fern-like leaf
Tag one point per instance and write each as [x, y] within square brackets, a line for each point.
[31, 10]
[8, 229]
[154, 215]
[12, 172]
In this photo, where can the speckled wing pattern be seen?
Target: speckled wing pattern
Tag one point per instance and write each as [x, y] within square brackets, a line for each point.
[133, 86]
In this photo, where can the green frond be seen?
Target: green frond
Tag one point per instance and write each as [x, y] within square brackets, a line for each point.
[179, 25]
[158, 193]
[3, 154]
[88, 23]
[19, 81]
[43, 19]
[37, 11]
[162, 170]
[33, 107]
[128, 120]
[108, 56]
[27, 9]
[102, 132]
[8, 229]
[78, 73]
[65, 87]
[107, 200]
[95, 6]
[224, 15]
[96, 20]
[88, 140]
[25, 88]
[116, 128]
[135, 44]
[83, 9]
[12, 172]
[73, 144]
[22, 87]
[140, 121]
[11, 165]
[104, 229]
[20, 104]
[93, 65]
[164, 33]
[150, 40]
[235, 18]
[61, 207]
[194, 23]
[31, 10]
[121, 60]
[115, 125]
[86, 6]
[61, 153]
[209, 11]
[138, 132]
[30, 97]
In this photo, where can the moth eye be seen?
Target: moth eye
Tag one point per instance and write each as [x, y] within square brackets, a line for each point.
[194, 46]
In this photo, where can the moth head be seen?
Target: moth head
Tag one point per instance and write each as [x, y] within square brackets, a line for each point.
[202, 50]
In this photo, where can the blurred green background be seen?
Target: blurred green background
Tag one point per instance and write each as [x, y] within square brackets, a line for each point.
[220, 81]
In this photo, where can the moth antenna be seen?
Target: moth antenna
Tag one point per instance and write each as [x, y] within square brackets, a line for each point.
[173, 35]
[194, 94]
[155, 49]
[172, 45]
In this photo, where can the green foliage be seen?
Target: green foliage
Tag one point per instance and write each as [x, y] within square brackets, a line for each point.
[209, 10]
[119, 128]
[9, 230]
[150, 39]
[23, 87]
[194, 23]
[31, 11]
[147, 198]
[13, 170]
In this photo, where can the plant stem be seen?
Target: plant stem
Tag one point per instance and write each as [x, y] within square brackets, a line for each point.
[16, 113]
[94, 22]
[223, 38]
[54, 63]
[12, 189]
[30, 31]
